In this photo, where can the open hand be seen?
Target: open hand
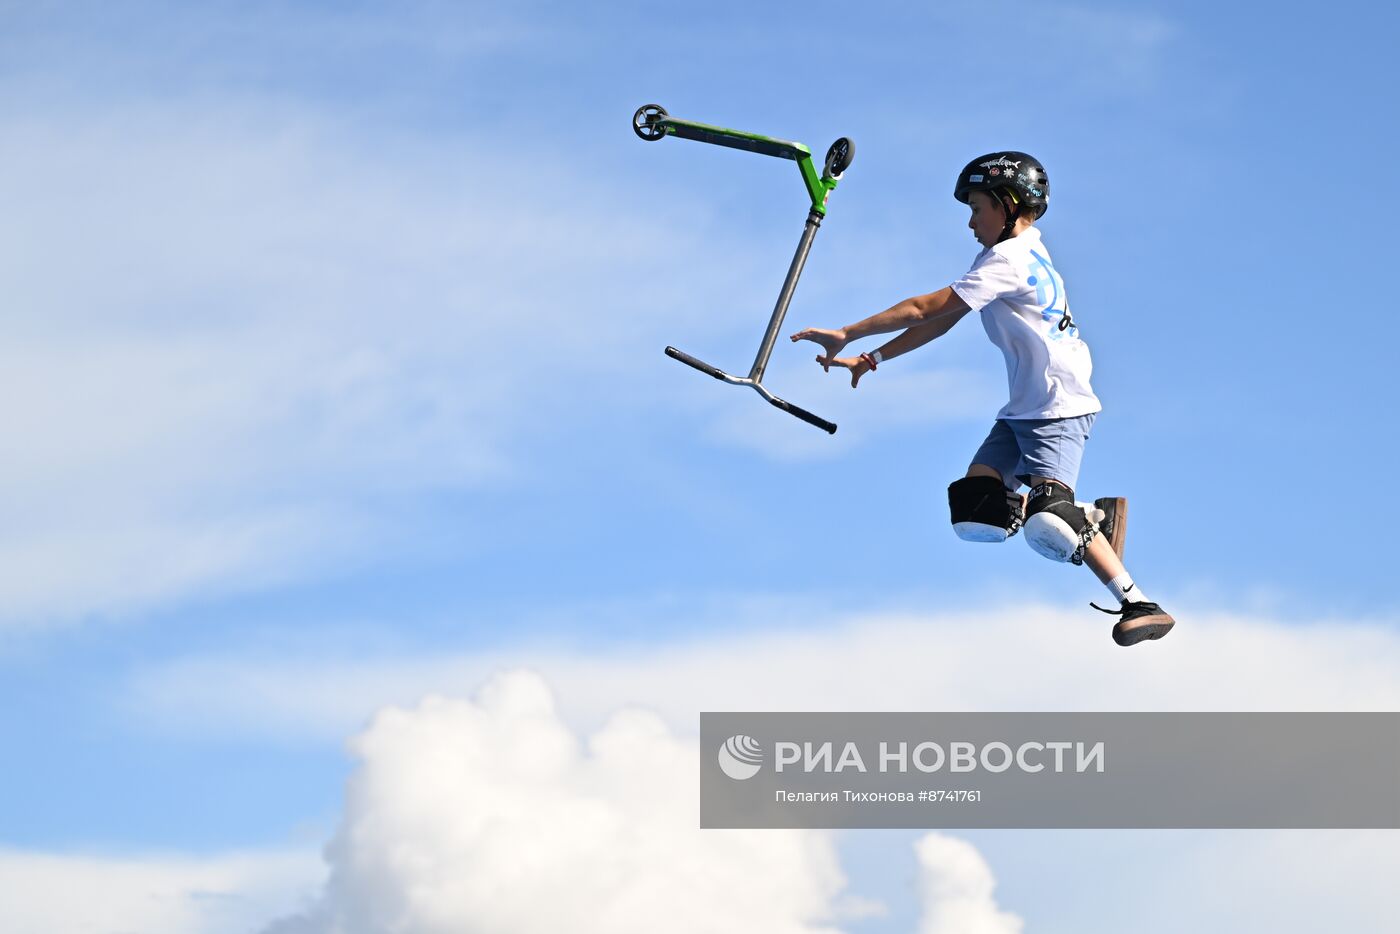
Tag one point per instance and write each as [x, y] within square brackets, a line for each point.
[856, 365]
[832, 342]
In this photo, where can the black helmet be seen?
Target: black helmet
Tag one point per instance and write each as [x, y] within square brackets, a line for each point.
[1019, 172]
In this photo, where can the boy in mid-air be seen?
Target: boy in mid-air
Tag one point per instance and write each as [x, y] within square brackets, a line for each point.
[1038, 437]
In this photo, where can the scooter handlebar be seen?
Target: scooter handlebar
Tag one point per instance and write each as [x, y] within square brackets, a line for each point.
[808, 417]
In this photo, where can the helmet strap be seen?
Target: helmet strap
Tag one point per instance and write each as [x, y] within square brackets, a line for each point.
[1012, 214]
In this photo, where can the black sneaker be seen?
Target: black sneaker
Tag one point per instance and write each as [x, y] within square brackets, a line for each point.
[1114, 525]
[1138, 621]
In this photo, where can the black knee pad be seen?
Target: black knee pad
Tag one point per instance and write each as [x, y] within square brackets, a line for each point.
[983, 509]
[1057, 528]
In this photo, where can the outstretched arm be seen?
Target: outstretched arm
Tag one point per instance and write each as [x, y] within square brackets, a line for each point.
[925, 317]
[910, 313]
[921, 334]
[914, 337]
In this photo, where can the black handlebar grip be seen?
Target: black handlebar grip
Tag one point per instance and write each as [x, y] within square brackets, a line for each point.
[783, 404]
[806, 416]
[700, 365]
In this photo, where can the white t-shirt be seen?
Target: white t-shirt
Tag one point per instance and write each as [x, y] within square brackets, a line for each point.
[1023, 304]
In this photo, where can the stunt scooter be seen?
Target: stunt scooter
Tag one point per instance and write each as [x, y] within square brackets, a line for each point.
[653, 124]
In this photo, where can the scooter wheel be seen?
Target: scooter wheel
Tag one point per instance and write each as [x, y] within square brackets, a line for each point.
[644, 122]
[840, 156]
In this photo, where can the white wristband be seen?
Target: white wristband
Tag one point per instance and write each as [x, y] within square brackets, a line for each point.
[878, 359]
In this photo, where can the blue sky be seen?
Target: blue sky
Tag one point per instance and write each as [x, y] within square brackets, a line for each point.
[334, 352]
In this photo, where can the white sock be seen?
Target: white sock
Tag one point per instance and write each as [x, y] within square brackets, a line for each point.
[1124, 590]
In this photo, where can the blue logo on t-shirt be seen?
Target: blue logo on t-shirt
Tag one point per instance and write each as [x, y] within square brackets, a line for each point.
[1050, 295]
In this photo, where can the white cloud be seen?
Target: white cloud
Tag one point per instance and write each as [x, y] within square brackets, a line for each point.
[492, 816]
[811, 660]
[237, 328]
[956, 885]
[1214, 882]
[418, 764]
[45, 893]
[238, 324]
[1306, 880]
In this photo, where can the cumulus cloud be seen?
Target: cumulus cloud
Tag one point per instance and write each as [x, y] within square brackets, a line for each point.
[443, 797]
[492, 816]
[956, 885]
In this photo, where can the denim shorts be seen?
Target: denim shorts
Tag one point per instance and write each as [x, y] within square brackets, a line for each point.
[1021, 448]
